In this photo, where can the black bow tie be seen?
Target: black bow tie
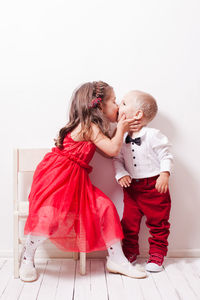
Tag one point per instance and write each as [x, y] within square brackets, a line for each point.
[136, 141]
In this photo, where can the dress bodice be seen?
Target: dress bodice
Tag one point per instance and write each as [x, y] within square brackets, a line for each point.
[84, 150]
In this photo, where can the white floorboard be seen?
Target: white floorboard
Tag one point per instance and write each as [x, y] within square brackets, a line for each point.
[82, 283]
[149, 289]
[59, 279]
[190, 275]
[164, 286]
[178, 279]
[132, 289]
[115, 286]
[99, 289]
[31, 291]
[50, 280]
[65, 287]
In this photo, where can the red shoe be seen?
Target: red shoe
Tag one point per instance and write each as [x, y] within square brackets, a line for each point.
[155, 262]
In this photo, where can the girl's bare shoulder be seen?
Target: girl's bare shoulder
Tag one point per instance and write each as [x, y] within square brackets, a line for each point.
[75, 133]
[96, 133]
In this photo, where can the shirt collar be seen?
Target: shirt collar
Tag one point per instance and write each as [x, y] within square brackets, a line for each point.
[140, 133]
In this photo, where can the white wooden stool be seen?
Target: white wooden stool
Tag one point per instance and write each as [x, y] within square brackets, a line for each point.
[25, 162]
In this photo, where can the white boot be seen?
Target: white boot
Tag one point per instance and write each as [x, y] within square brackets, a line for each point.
[27, 270]
[118, 263]
[126, 269]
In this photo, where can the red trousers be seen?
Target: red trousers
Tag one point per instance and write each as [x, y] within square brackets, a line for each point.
[141, 198]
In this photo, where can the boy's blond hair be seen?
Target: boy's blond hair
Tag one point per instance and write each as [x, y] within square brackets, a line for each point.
[146, 103]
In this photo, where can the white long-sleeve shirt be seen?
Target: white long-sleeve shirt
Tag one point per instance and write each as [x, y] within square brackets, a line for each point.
[147, 160]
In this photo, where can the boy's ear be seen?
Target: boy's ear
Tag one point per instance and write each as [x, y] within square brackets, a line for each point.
[139, 114]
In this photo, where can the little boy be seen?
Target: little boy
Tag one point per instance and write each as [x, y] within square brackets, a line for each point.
[143, 168]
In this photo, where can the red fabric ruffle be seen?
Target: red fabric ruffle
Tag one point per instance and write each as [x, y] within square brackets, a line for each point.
[66, 207]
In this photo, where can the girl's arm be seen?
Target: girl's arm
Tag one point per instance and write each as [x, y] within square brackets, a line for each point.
[103, 153]
[112, 146]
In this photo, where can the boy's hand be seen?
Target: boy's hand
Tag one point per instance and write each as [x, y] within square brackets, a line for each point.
[125, 181]
[162, 182]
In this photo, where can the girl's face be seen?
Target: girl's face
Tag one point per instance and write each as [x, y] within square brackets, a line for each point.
[110, 108]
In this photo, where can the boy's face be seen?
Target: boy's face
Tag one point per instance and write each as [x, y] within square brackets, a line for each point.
[127, 106]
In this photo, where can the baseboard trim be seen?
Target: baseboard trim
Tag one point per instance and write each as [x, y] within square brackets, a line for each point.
[187, 253]
[54, 253]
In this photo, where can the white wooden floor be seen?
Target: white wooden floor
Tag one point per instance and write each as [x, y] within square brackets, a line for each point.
[59, 279]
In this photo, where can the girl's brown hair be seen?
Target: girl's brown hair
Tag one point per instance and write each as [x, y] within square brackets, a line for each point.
[83, 112]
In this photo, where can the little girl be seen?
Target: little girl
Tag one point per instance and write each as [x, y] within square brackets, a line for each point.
[64, 206]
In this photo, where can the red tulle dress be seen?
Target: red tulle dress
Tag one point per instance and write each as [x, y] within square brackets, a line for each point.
[64, 205]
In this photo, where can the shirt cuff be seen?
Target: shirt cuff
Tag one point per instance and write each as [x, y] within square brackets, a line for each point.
[121, 174]
[166, 166]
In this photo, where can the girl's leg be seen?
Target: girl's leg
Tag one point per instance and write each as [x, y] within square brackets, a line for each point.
[118, 263]
[27, 271]
[116, 254]
[31, 244]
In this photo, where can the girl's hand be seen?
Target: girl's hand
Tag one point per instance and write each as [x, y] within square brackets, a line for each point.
[126, 124]
[130, 124]
[136, 125]
[162, 182]
[125, 181]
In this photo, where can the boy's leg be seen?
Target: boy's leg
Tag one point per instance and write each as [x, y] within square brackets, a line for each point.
[159, 225]
[131, 223]
[156, 208]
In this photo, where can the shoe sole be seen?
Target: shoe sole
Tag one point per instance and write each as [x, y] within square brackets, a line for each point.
[154, 271]
[136, 277]
[27, 280]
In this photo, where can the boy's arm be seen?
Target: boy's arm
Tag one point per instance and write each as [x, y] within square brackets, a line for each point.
[161, 147]
[119, 165]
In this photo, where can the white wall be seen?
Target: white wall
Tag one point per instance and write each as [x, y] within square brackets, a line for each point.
[48, 47]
